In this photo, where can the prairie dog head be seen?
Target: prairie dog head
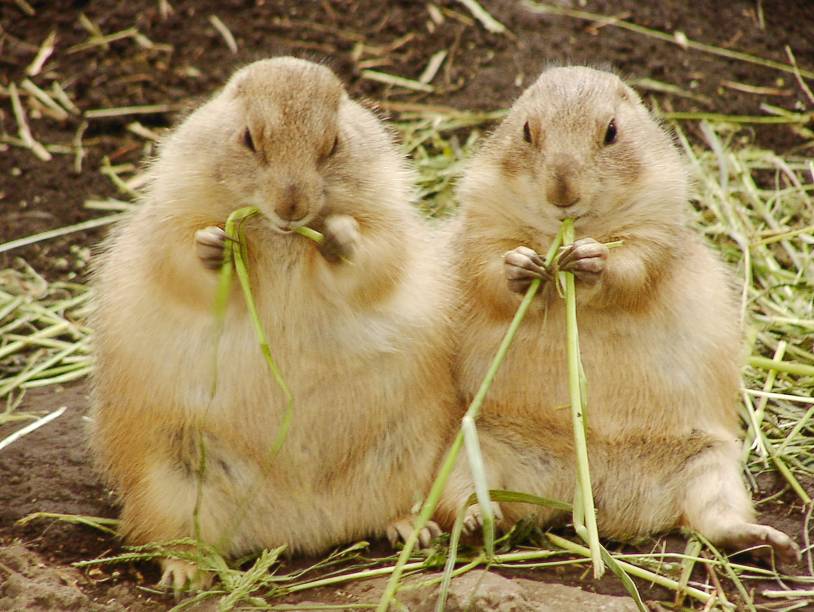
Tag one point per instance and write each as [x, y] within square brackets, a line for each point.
[289, 133]
[272, 138]
[580, 143]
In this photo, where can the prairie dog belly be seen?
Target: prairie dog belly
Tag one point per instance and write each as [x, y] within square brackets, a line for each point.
[643, 372]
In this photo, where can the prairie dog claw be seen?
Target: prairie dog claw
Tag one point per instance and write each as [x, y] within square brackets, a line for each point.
[182, 575]
[210, 243]
[521, 266]
[473, 521]
[586, 258]
[400, 530]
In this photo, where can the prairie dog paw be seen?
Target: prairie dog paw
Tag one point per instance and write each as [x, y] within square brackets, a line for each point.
[210, 244]
[341, 238]
[473, 520]
[521, 266]
[752, 535]
[400, 530]
[182, 575]
[586, 258]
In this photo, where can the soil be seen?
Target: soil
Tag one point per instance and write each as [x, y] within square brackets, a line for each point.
[49, 470]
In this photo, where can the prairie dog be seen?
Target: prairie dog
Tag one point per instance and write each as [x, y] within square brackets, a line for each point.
[358, 327]
[658, 323]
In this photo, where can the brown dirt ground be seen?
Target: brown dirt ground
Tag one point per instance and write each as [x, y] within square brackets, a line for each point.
[49, 470]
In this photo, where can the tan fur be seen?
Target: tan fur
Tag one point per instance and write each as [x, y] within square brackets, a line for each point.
[659, 332]
[363, 345]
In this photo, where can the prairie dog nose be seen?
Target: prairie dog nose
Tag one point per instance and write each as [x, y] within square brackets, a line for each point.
[562, 193]
[561, 190]
[291, 205]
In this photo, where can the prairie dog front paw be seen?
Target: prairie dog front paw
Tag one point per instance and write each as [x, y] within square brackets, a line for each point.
[521, 266]
[341, 234]
[210, 244]
[586, 258]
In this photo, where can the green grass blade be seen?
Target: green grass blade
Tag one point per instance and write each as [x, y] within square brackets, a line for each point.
[517, 497]
[107, 525]
[478, 470]
[452, 556]
[625, 579]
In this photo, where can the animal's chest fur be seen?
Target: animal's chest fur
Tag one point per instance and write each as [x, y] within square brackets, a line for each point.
[637, 370]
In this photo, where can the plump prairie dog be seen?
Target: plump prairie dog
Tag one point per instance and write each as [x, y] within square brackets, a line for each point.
[358, 326]
[658, 323]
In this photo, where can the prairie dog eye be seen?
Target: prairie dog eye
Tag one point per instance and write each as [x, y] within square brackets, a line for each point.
[248, 142]
[334, 147]
[527, 132]
[610, 132]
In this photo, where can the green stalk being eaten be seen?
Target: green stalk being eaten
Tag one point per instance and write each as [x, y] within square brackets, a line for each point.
[472, 412]
[584, 512]
[235, 258]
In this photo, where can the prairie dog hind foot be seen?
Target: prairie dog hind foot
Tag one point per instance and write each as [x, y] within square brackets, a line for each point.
[586, 258]
[764, 540]
[210, 243]
[180, 575]
[400, 530]
[521, 266]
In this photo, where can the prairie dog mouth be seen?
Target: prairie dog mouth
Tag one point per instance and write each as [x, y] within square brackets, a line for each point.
[286, 227]
[576, 215]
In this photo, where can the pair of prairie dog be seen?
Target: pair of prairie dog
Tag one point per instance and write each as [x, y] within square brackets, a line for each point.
[360, 325]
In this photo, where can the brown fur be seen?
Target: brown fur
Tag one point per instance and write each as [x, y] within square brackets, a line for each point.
[363, 344]
[659, 331]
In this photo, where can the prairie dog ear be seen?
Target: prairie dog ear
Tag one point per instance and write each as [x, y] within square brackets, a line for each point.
[236, 87]
[628, 94]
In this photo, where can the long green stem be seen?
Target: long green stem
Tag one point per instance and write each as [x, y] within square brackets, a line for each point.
[60, 231]
[245, 285]
[452, 454]
[478, 468]
[361, 575]
[796, 118]
[309, 233]
[234, 261]
[585, 498]
[691, 552]
[764, 363]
